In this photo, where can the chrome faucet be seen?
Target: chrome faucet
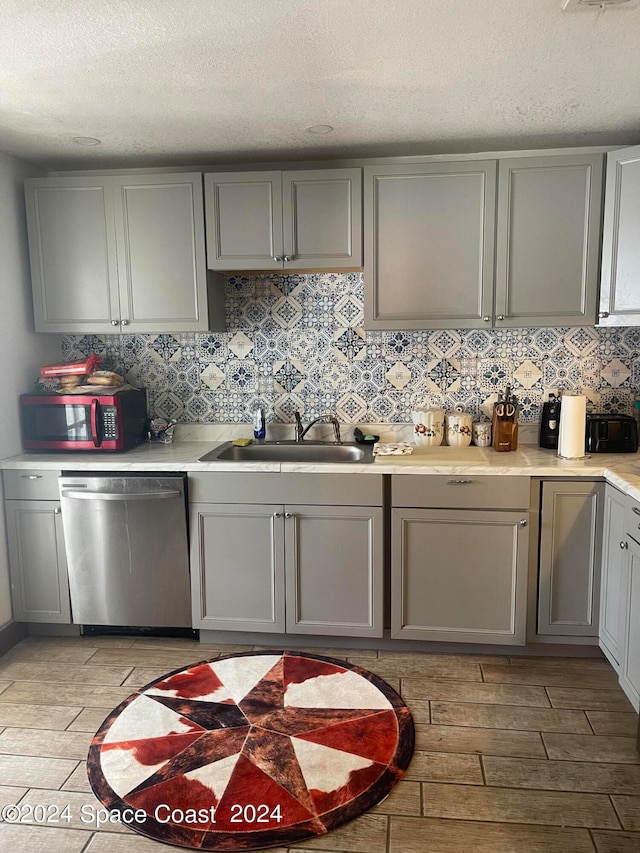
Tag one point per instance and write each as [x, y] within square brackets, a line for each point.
[301, 430]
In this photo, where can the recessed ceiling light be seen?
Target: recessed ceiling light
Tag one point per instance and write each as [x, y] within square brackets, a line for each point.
[319, 128]
[86, 140]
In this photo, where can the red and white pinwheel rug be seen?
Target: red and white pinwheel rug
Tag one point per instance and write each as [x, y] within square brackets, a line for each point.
[251, 750]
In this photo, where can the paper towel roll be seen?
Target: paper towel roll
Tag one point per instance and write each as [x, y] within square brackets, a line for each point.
[573, 420]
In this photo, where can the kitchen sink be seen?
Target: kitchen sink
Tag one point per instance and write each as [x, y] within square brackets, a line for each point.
[291, 451]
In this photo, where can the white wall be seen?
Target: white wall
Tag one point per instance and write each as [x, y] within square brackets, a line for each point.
[21, 350]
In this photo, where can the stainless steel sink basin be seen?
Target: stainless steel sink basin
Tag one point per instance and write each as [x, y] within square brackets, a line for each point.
[291, 451]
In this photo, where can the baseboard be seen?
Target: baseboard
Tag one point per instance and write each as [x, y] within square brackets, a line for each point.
[11, 635]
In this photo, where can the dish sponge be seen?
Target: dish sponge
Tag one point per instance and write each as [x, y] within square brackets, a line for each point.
[241, 442]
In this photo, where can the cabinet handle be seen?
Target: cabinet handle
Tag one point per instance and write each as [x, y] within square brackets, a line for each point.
[124, 322]
[277, 515]
[287, 258]
[487, 318]
[115, 322]
[30, 476]
[500, 317]
[458, 482]
[523, 522]
[603, 315]
[636, 510]
[278, 259]
[57, 511]
[288, 515]
[624, 545]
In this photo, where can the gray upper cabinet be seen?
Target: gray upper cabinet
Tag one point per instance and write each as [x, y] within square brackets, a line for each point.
[548, 240]
[306, 220]
[429, 237]
[620, 282]
[118, 253]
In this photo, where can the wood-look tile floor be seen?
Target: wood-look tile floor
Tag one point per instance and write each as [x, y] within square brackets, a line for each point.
[513, 755]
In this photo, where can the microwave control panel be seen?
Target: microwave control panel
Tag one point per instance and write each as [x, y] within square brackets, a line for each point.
[109, 423]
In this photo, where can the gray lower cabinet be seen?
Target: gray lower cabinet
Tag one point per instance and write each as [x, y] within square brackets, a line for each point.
[307, 219]
[630, 634]
[569, 558]
[122, 253]
[301, 568]
[37, 560]
[615, 557]
[429, 240]
[459, 574]
[620, 279]
[548, 240]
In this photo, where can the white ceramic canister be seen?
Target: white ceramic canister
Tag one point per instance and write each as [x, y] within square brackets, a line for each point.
[481, 431]
[459, 428]
[428, 427]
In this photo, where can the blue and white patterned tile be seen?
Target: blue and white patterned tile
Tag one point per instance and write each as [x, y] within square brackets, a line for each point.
[476, 344]
[240, 375]
[445, 343]
[513, 344]
[286, 405]
[289, 376]
[212, 377]
[349, 311]
[443, 374]
[559, 377]
[241, 286]
[240, 345]
[167, 347]
[494, 374]
[287, 312]
[529, 406]
[380, 409]
[629, 341]
[349, 344]
[398, 375]
[582, 341]
[396, 346]
[270, 344]
[168, 405]
[351, 408]
[546, 341]
[615, 401]
[615, 373]
[212, 347]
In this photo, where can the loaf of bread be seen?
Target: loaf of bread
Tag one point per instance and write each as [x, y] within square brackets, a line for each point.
[70, 381]
[105, 377]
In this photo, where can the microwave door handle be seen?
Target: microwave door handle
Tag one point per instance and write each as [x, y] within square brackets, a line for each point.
[94, 423]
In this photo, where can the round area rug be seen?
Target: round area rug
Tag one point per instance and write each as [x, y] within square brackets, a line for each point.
[251, 750]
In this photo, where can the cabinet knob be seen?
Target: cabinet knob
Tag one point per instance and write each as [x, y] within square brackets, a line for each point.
[277, 515]
[523, 522]
[124, 322]
[278, 259]
[288, 515]
[487, 318]
[287, 258]
[115, 322]
[57, 510]
[500, 317]
[603, 314]
[624, 545]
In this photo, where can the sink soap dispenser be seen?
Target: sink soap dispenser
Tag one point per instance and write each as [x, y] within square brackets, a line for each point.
[259, 424]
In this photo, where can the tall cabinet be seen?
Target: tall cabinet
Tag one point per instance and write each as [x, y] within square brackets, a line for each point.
[620, 283]
[116, 254]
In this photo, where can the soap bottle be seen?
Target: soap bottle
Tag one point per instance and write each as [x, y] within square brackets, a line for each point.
[259, 423]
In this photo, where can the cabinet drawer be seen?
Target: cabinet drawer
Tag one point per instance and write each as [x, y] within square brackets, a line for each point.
[632, 519]
[31, 485]
[460, 491]
[274, 488]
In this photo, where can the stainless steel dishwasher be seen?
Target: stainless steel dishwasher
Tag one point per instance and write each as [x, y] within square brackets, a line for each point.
[127, 554]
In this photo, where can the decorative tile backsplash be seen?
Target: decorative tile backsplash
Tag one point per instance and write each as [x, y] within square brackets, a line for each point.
[297, 342]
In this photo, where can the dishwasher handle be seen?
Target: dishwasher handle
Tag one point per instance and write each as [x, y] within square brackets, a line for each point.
[121, 496]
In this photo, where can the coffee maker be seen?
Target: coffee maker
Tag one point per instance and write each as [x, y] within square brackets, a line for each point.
[550, 423]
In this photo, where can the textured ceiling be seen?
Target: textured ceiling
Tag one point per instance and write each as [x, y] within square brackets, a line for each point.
[164, 82]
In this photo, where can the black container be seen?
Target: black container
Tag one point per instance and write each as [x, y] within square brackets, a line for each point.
[550, 424]
[611, 434]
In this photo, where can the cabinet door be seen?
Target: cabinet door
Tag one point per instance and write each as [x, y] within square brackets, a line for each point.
[37, 562]
[459, 575]
[244, 220]
[322, 219]
[429, 235]
[614, 557]
[620, 283]
[630, 664]
[72, 247]
[334, 570]
[237, 567]
[569, 563]
[161, 258]
[548, 240]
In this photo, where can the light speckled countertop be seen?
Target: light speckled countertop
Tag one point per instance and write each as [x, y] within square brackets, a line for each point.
[623, 470]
